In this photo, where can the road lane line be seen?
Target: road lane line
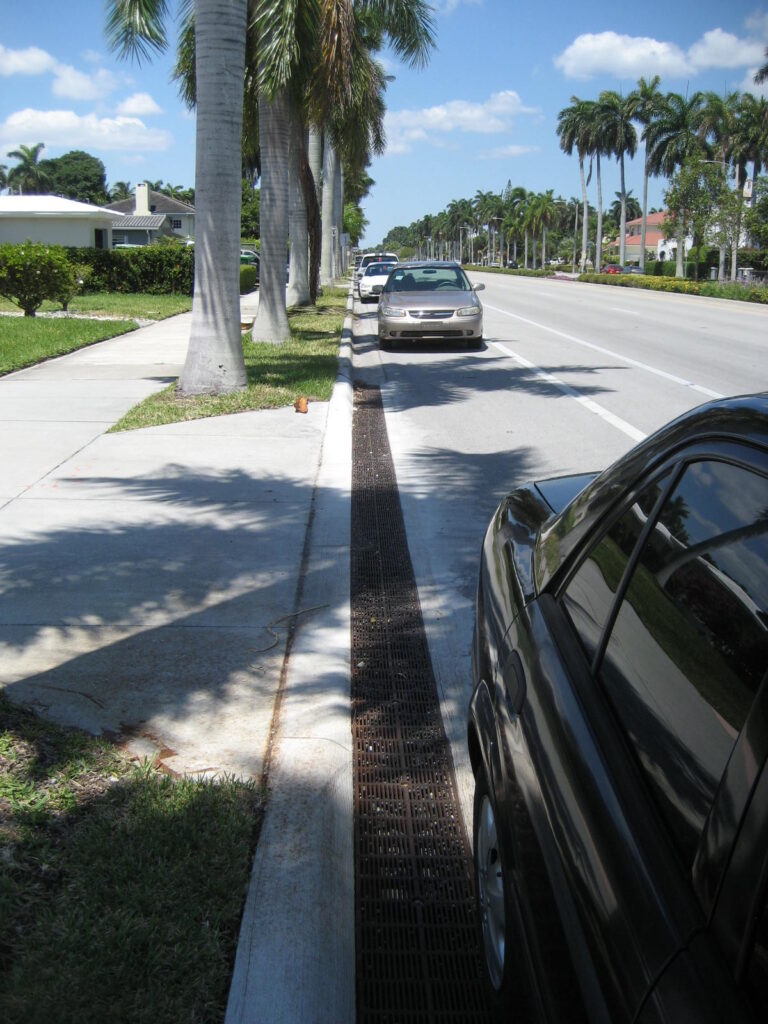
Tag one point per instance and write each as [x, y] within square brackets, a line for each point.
[598, 410]
[609, 352]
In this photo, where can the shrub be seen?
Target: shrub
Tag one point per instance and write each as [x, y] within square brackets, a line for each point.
[157, 269]
[32, 272]
[712, 289]
[249, 277]
[73, 284]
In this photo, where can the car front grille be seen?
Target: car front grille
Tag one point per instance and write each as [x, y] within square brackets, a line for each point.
[431, 314]
[433, 334]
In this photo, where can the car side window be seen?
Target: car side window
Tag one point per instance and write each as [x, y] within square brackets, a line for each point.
[589, 596]
[689, 644]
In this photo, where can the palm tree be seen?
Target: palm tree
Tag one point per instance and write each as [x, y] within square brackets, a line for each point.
[27, 175]
[120, 190]
[645, 103]
[136, 28]
[671, 138]
[762, 73]
[719, 120]
[615, 115]
[3, 176]
[546, 209]
[573, 131]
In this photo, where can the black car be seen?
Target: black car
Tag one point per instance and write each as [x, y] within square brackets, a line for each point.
[618, 733]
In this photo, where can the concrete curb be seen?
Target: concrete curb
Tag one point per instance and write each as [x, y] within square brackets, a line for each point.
[296, 952]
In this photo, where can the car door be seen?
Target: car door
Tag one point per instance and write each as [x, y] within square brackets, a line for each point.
[620, 768]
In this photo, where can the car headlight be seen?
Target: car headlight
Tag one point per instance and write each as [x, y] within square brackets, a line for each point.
[388, 310]
[467, 311]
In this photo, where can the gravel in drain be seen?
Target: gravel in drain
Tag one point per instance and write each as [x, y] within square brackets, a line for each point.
[416, 940]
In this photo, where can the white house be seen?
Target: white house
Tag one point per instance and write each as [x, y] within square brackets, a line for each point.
[150, 215]
[55, 221]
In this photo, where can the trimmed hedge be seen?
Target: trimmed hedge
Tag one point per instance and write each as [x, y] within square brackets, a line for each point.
[521, 272]
[712, 289]
[249, 278]
[156, 269]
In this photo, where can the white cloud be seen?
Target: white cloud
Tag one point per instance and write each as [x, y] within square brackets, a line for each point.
[68, 82]
[718, 49]
[749, 85]
[76, 85]
[757, 23]
[624, 56]
[631, 56]
[495, 115]
[32, 61]
[509, 151]
[65, 128]
[448, 6]
[92, 57]
[140, 104]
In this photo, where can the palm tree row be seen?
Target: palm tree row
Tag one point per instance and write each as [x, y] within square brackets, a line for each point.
[731, 130]
[268, 80]
[481, 227]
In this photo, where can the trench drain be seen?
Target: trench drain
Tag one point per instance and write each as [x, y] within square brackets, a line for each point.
[417, 956]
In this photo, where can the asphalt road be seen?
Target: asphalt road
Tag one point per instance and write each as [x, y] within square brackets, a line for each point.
[571, 377]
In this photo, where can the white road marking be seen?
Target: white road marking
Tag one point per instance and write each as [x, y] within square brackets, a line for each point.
[598, 410]
[608, 352]
[620, 309]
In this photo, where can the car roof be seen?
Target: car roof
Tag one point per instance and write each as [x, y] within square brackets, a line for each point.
[741, 420]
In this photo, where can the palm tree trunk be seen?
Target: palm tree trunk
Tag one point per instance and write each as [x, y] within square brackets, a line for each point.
[297, 293]
[623, 228]
[315, 157]
[271, 323]
[644, 222]
[525, 262]
[599, 239]
[575, 236]
[679, 255]
[543, 247]
[584, 217]
[310, 191]
[338, 217]
[214, 361]
[328, 219]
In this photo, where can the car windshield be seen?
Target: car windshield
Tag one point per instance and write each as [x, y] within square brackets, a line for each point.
[378, 268]
[428, 279]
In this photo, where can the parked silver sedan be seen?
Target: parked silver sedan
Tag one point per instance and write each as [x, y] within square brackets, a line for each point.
[425, 301]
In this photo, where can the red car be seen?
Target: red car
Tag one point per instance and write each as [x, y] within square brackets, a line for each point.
[612, 268]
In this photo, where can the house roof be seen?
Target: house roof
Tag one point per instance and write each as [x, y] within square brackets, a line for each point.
[652, 220]
[161, 202]
[155, 220]
[50, 206]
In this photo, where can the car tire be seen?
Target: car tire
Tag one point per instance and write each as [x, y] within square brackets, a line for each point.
[476, 343]
[385, 344]
[501, 942]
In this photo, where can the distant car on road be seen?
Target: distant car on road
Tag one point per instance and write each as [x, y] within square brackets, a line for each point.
[612, 268]
[429, 300]
[373, 280]
[374, 257]
[618, 733]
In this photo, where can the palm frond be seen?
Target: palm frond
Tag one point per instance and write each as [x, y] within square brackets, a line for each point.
[136, 28]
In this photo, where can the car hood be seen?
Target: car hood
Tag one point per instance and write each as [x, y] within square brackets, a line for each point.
[444, 299]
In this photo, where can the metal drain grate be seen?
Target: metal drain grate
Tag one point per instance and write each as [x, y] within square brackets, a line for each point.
[417, 955]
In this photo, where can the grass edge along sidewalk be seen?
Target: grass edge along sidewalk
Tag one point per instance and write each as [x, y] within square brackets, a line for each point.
[121, 888]
[304, 367]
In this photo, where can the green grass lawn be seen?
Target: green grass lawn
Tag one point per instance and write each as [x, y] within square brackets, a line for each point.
[27, 340]
[148, 307]
[277, 374]
[121, 888]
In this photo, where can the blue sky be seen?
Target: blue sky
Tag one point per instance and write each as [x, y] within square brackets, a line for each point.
[483, 112]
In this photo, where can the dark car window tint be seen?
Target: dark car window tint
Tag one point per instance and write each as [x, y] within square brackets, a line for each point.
[689, 645]
[757, 966]
[589, 596]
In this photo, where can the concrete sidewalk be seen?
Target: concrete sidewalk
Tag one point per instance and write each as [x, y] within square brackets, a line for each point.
[149, 581]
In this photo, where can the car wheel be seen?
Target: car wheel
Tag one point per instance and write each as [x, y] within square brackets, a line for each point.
[385, 343]
[505, 971]
[476, 343]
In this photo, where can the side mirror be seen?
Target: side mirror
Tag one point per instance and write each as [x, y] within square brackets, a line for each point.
[478, 287]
